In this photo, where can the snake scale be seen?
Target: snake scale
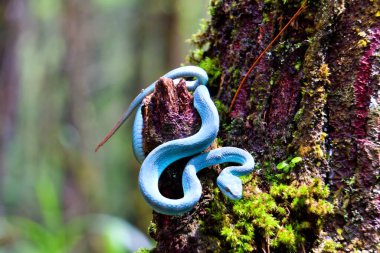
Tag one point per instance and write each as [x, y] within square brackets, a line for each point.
[162, 156]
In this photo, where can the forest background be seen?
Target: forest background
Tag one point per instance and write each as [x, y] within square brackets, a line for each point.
[68, 70]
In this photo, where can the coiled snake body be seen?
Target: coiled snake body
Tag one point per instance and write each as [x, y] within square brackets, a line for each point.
[162, 156]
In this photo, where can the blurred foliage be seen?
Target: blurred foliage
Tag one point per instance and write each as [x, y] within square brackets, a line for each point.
[79, 64]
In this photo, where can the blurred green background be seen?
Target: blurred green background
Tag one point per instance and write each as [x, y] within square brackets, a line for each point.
[68, 70]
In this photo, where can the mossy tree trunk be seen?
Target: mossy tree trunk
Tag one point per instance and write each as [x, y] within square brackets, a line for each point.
[309, 113]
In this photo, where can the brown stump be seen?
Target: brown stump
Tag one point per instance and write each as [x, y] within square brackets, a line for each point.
[168, 115]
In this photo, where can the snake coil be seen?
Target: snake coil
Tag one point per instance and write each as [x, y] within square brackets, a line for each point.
[162, 156]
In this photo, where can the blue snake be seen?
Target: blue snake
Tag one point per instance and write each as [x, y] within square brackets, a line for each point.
[162, 156]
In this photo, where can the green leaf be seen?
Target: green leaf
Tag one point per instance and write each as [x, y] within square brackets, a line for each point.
[282, 165]
[296, 160]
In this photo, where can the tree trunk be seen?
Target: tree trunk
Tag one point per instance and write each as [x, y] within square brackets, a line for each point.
[11, 13]
[309, 114]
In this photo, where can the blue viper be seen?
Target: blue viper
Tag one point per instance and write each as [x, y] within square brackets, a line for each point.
[162, 156]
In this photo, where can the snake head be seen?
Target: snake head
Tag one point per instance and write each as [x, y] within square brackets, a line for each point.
[230, 185]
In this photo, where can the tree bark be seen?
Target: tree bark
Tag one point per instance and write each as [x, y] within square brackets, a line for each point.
[309, 113]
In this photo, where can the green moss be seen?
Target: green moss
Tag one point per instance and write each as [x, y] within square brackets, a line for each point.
[329, 246]
[240, 243]
[219, 142]
[247, 178]
[214, 4]
[212, 67]
[286, 237]
[288, 164]
[236, 125]
[265, 18]
[298, 115]
[318, 151]
[152, 229]
[197, 54]
[297, 65]
[274, 77]
[222, 108]
[283, 218]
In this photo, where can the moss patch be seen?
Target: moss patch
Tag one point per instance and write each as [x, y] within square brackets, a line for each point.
[282, 219]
